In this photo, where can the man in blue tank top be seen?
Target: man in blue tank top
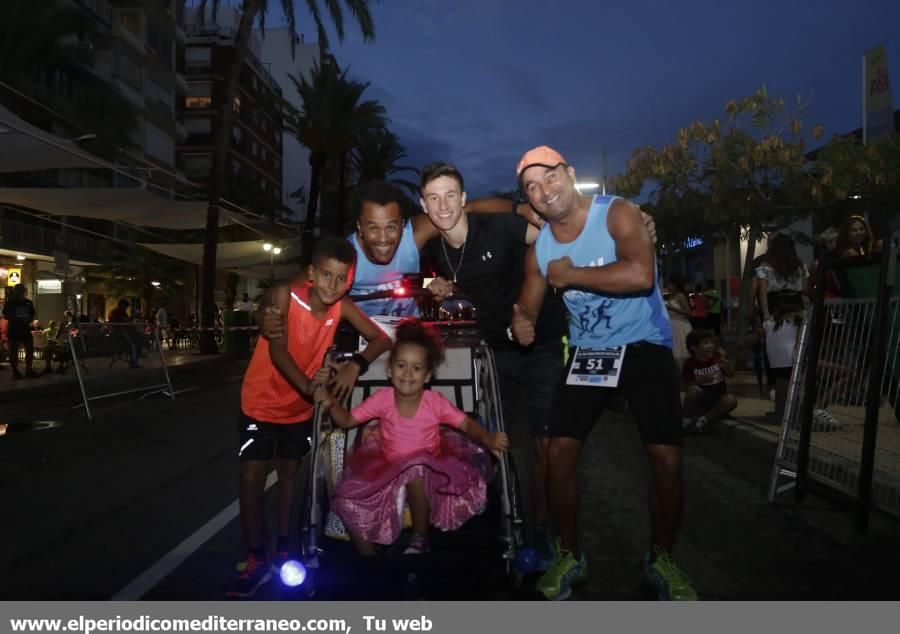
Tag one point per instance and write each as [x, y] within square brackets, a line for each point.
[597, 252]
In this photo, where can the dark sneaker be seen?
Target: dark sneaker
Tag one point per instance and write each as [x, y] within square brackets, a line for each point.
[556, 584]
[548, 553]
[418, 545]
[279, 559]
[255, 573]
[666, 578]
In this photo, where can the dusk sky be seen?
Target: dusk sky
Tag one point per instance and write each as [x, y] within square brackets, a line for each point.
[478, 82]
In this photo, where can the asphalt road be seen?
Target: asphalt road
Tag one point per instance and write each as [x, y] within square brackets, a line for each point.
[88, 508]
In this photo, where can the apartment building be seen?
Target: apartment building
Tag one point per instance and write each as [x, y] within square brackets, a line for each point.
[254, 163]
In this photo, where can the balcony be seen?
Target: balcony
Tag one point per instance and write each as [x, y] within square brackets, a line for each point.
[100, 8]
[121, 31]
[224, 35]
[18, 236]
[263, 72]
[181, 84]
[198, 68]
[210, 31]
[131, 94]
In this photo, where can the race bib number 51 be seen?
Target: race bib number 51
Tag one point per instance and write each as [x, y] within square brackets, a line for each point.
[596, 367]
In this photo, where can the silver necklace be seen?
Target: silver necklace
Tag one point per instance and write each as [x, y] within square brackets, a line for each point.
[462, 254]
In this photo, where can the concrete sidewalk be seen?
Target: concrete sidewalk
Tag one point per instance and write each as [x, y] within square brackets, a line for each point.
[53, 384]
[835, 454]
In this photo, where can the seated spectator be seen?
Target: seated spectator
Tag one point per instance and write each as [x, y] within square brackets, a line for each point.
[57, 349]
[51, 330]
[244, 303]
[703, 375]
[119, 314]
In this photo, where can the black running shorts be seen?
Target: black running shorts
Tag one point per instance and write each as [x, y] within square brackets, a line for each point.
[263, 441]
[649, 383]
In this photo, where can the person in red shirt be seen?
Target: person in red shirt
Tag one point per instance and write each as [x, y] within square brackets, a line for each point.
[275, 421]
[703, 376]
[699, 307]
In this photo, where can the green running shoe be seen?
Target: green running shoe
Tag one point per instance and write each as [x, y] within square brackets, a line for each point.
[666, 578]
[556, 584]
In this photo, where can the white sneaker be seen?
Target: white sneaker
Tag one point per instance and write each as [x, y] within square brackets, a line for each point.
[700, 425]
[824, 421]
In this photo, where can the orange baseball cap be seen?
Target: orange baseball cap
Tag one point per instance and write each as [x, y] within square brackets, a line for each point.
[541, 155]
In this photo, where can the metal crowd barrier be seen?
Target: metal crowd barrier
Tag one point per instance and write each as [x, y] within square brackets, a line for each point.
[841, 428]
[114, 359]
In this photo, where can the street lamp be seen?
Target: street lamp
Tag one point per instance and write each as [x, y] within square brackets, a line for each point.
[272, 250]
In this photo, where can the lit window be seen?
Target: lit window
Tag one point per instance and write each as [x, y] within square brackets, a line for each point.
[132, 22]
[197, 102]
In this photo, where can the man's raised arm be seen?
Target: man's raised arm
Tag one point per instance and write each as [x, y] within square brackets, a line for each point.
[635, 268]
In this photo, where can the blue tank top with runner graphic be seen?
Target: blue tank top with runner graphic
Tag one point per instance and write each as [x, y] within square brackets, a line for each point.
[371, 278]
[597, 319]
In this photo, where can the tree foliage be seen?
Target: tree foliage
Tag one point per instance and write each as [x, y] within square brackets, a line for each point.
[253, 11]
[746, 170]
[867, 172]
[332, 118]
[746, 173]
[377, 155]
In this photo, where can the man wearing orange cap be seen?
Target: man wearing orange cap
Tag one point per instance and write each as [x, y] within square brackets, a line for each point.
[597, 251]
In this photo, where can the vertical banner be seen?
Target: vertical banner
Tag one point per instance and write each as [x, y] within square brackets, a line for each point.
[879, 106]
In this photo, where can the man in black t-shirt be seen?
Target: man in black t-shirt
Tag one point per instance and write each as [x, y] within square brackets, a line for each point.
[19, 312]
[482, 257]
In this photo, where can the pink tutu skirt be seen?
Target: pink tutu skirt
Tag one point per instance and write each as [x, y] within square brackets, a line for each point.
[371, 496]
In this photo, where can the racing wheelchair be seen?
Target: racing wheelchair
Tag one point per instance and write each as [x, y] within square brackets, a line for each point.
[490, 541]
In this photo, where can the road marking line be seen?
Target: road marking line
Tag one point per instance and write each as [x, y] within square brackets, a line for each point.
[175, 557]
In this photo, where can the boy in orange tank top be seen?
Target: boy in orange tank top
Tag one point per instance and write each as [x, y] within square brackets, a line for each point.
[276, 395]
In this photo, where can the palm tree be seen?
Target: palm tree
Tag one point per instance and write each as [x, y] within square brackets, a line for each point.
[252, 11]
[376, 157]
[329, 123]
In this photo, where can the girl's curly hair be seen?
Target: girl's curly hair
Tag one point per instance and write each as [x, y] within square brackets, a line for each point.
[414, 332]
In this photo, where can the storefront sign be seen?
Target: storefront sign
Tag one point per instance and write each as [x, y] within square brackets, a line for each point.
[49, 287]
[14, 277]
[690, 243]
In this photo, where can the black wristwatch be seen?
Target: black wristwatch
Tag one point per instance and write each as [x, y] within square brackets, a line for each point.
[360, 361]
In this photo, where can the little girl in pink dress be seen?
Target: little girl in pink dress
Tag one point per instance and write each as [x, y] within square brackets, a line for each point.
[440, 472]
